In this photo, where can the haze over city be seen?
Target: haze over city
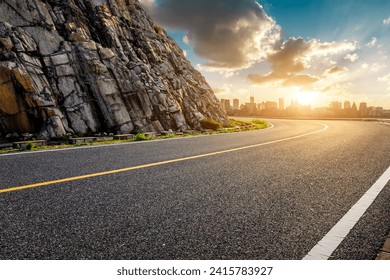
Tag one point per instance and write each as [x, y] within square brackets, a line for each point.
[314, 51]
[294, 108]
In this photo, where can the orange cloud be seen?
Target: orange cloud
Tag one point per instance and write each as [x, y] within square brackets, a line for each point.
[295, 56]
[300, 80]
[336, 70]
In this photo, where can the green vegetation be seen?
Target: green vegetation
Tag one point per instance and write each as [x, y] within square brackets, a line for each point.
[234, 126]
[210, 124]
[235, 123]
[81, 144]
[168, 136]
[141, 137]
[260, 124]
[158, 29]
[254, 124]
[30, 146]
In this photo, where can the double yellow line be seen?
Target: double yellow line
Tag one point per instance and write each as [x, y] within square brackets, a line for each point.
[87, 176]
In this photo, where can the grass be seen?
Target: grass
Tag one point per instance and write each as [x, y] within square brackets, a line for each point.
[31, 146]
[210, 124]
[141, 137]
[260, 124]
[234, 126]
[234, 123]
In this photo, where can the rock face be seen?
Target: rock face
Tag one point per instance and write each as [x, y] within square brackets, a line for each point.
[87, 66]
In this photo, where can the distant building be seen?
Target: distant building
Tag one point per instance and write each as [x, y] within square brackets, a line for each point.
[271, 106]
[321, 111]
[354, 110]
[386, 113]
[336, 106]
[347, 109]
[294, 104]
[251, 107]
[261, 106]
[281, 104]
[375, 111]
[225, 104]
[363, 109]
[236, 104]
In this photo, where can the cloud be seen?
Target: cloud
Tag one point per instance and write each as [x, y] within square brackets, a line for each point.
[373, 42]
[148, 5]
[351, 57]
[375, 67]
[330, 48]
[386, 21]
[296, 55]
[186, 40]
[300, 80]
[289, 80]
[335, 70]
[229, 34]
[385, 78]
[219, 90]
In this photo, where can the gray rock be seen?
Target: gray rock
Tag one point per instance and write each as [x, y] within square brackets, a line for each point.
[88, 66]
[64, 70]
[48, 42]
[6, 43]
[60, 59]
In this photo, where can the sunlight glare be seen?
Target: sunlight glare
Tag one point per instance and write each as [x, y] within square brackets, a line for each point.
[307, 98]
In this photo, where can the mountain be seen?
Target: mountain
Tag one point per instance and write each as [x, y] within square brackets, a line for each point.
[88, 66]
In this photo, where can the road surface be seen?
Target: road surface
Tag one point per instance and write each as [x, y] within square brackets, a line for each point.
[268, 194]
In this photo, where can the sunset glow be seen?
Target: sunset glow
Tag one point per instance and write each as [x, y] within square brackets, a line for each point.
[307, 98]
[316, 51]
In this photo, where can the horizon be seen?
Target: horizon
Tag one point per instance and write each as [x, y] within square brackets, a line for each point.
[294, 109]
[313, 51]
[302, 103]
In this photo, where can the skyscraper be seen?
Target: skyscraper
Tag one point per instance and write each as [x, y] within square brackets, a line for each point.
[335, 106]
[354, 112]
[225, 104]
[347, 105]
[236, 104]
[363, 109]
[281, 104]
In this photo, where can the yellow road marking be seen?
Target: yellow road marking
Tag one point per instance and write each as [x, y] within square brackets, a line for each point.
[87, 176]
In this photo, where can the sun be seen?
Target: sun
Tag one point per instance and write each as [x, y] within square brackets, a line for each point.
[306, 98]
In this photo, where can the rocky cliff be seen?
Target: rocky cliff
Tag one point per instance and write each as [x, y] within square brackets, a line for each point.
[87, 66]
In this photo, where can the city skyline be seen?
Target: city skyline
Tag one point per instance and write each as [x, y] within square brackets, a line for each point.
[295, 108]
[315, 51]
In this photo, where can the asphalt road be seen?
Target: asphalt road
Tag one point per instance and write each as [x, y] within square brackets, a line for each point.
[272, 200]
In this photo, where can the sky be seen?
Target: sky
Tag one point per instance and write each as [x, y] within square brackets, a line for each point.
[316, 51]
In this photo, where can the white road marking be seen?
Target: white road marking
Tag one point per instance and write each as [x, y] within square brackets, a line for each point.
[327, 245]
